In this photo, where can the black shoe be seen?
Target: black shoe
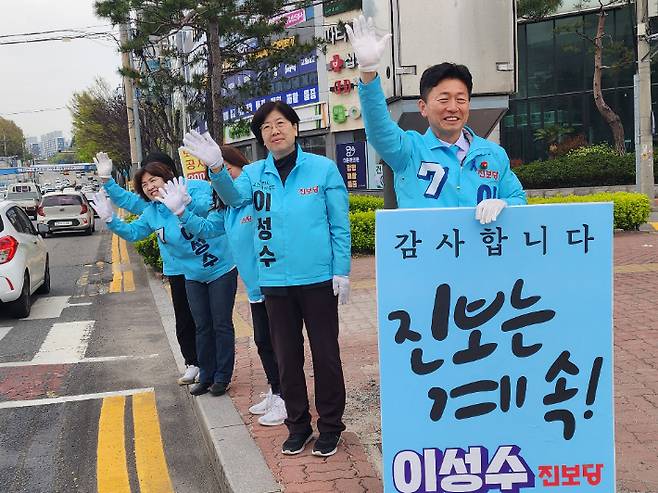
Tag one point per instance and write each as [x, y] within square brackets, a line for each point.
[326, 444]
[219, 388]
[296, 442]
[199, 388]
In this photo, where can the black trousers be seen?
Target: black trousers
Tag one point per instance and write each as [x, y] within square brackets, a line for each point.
[185, 328]
[317, 308]
[263, 342]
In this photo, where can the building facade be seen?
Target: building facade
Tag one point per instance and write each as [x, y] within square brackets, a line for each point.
[555, 80]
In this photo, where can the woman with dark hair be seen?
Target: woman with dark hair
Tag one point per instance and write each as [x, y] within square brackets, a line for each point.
[303, 247]
[135, 204]
[239, 226]
[210, 274]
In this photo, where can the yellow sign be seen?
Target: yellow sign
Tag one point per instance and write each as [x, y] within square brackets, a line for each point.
[193, 168]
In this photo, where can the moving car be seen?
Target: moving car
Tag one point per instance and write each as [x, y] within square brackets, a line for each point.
[26, 195]
[24, 264]
[66, 211]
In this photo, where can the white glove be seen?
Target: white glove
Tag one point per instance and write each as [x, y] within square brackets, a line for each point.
[103, 165]
[204, 148]
[341, 285]
[173, 195]
[367, 48]
[488, 210]
[103, 206]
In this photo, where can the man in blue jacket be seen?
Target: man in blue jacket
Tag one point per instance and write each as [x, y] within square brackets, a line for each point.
[448, 165]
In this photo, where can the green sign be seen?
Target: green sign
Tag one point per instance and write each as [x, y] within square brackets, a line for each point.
[333, 7]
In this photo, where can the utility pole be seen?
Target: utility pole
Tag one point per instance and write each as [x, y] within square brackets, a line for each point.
[129, 95]
[644, 151]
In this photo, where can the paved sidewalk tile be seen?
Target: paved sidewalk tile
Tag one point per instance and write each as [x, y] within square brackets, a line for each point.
[355, 468]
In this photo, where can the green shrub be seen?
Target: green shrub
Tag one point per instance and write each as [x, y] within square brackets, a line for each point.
[630, 209]
[362, 225]
[149, 249]
[365, 203]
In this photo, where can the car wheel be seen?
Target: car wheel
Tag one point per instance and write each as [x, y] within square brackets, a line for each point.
[45, 287]
[21, 307]
[93, 226]
[89, 230]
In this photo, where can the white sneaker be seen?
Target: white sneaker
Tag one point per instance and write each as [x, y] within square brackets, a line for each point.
[264, 406]
[190, 375]
[277, 413]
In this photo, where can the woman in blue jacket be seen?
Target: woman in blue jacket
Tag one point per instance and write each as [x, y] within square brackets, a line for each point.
[210, 274]
[239, 226]
[303, 247]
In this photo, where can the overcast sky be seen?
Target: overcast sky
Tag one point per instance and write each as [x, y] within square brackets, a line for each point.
[37, 76]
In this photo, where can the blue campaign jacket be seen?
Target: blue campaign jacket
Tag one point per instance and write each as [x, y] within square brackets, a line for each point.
[239, 226]
[201, 203]
[484, 173]
[302, 229]
[197, 258]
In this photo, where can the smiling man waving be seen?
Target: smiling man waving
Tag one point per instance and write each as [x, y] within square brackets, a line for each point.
[448, 165]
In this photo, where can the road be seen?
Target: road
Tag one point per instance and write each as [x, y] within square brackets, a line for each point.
[88, 394]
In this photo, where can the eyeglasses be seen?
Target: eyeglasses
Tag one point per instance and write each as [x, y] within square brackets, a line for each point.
[267, 128]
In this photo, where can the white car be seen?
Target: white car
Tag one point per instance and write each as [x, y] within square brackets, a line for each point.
[65, 211]
[24, 264]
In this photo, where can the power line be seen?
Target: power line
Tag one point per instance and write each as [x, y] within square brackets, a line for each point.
[73, 29]
[41, 110]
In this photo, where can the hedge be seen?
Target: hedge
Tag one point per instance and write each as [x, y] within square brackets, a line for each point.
[590, 166]
[365, 203]
[630, 209]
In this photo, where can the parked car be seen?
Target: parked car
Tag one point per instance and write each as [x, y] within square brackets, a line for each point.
[26, 195]
[66, 211]
[24, 263]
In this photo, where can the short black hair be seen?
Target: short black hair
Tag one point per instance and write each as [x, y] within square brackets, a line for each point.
[262, 113]
[160, 157]
[433, 75]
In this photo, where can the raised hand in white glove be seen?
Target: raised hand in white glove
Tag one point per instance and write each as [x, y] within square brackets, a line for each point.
[173, 195]
[103, 206]
[488, 210]
[341, 285]
[103, 165]
[367, 48]
[203, 147]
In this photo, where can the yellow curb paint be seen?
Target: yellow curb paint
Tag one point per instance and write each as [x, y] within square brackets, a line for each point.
[654, 225]
[128, 279]
[117, 276]
[111, 466]
[152, 470]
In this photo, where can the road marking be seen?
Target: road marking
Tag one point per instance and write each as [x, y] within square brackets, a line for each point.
[122, 274]
[149, 452]
[117, 275]
[96, 359]
[654, 225]
[111, 464]
[65, 342]
[4, 331]
[49, 307]
[89, 303]
[70, 398]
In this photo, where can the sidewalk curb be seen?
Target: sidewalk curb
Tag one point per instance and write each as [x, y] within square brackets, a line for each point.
[239, 464]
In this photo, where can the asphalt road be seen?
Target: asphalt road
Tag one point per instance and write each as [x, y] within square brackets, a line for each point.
[88, 393]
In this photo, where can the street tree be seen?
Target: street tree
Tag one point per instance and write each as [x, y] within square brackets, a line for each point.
[99, 124]
[602, 45]
[231, 37]
[11, 139]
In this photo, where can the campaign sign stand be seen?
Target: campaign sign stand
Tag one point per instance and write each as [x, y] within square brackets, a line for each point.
[495, 346]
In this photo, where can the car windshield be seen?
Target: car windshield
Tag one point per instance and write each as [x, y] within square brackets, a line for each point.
[22, 195]
[55, 200]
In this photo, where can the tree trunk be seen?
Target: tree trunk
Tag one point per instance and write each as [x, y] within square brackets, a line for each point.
[610, 117]
[216, 76]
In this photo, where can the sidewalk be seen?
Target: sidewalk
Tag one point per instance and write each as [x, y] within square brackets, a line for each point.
[256, 466]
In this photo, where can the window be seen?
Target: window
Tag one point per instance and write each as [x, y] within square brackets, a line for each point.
[61, 200]
[25, 222]
[314, 143]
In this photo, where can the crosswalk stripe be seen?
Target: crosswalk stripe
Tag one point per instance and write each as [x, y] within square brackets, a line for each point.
[65, 342]
[48, 307]
[4, 331]
[69, 398]
[152, 468]
[111, 464]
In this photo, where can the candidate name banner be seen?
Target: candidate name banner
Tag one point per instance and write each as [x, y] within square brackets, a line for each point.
[193, 168]
[496, 349]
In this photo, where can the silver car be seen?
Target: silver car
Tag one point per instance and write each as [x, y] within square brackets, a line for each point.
[66, 211]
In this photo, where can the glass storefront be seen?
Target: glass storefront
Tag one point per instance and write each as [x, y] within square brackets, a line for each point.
[556, 67]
